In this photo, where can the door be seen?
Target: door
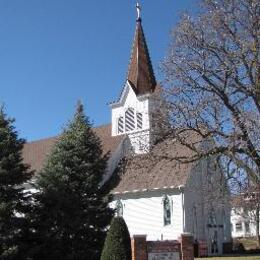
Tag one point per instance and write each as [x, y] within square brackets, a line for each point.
[215, 242]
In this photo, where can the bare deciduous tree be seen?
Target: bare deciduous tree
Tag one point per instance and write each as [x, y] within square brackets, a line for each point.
[212, 75]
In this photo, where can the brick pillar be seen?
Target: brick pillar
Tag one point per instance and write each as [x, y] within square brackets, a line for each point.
[187, 246]
[139, 247]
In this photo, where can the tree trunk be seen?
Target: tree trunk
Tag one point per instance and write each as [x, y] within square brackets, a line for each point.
[257, 225]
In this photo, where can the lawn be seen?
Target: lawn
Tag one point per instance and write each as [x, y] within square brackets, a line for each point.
[231, 258]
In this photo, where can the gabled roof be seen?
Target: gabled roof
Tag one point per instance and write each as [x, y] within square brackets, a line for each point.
[35, 153]
[156, 170]
[140, 72]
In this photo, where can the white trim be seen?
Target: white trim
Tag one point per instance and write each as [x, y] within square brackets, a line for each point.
[123, 96]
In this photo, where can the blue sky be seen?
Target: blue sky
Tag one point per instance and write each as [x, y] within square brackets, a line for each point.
[54, 52]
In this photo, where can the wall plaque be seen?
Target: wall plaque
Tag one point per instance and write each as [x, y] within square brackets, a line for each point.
[164, 256]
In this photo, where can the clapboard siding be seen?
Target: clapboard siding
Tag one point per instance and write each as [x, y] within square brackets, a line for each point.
[143, 213]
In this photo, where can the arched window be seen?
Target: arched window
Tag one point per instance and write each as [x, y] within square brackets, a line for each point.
[119, 208]
[212, 217]
[224, 223]
[139, 120]
[166, 211]
[129, 119]
[195, 223]
[120, 125]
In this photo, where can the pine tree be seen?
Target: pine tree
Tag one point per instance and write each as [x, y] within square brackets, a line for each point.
[14, 201]
[72, 210]
[118, 243]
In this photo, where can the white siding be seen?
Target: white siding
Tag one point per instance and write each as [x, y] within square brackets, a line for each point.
[206, 190]
[130, 100]
[139, 138]
[143, 213]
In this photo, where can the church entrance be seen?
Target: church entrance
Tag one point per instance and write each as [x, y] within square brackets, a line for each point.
[214, 248]
[215, 236]
[215, 240]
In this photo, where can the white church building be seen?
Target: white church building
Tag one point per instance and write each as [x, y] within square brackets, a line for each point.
[156, 195]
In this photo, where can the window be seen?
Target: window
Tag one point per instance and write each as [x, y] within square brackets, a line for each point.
[195, 224]
[224, 221]
[212, 217]
[166, 211]
[247, 227]
[210, 171]
[120, 125]
[238, 227]
[139, 119]
[119, 208]
[245, 212]
[129, 119]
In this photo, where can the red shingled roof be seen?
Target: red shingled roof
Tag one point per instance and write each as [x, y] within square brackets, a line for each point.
[35, 153]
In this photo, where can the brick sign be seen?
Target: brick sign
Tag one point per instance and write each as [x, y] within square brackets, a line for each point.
[163, 250]
[164, 256]
[182, 249]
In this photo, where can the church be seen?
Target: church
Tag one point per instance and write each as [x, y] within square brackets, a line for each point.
[156, 195]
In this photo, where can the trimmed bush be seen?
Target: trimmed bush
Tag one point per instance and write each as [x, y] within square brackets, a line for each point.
[118, 243]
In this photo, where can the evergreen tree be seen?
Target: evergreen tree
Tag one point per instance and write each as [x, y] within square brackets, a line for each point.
[118, 243]
[14, 201]
[72, 213]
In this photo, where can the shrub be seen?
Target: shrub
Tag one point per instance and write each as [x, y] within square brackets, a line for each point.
[118, 243]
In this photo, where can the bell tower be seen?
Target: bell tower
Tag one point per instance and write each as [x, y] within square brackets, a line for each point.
[131, 114]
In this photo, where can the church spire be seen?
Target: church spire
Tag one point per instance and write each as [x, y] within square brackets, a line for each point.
[140, 73]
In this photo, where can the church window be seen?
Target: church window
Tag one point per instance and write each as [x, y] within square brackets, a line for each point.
[212, 218]
[195, 223]
[120, 126]
[129, 119]
[224, 221]
[139, 118]
[239, 227]
[119, 208]
[166, 211]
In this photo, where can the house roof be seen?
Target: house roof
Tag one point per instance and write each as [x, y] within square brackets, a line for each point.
[140, 73]
[157, 170]
[35, 153]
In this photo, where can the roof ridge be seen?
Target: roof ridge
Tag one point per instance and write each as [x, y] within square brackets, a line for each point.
[42, 139]
[56, 136]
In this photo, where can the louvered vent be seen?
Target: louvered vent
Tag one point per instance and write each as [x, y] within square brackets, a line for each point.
[129, 119]
[139, 118]
[120, 125]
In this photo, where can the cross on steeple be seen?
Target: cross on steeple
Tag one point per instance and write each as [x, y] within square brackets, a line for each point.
[138, 9]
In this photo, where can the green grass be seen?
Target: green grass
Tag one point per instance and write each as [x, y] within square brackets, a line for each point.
[231, 258]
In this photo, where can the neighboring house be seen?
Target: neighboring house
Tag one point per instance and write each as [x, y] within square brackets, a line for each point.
[241, 225]
[157, 196]
[243, 219]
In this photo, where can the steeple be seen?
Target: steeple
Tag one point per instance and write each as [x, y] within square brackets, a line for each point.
[140, 72]
[132, 113]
